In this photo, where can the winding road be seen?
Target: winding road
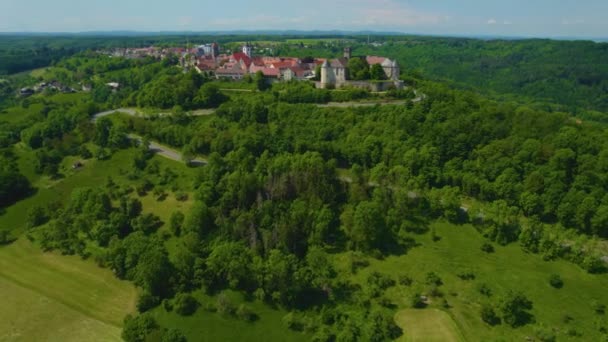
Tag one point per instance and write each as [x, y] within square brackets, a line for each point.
[155, 147]
[172, 154]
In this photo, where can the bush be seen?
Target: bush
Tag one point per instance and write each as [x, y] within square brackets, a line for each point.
[417, 301]
[184, 304]
[378, 282]
[36, 216]
[224, 306]
[485, 290]
[167, 305]
[487, 247]
[245, 313]
[146, 302]
[488, 315]
[176, 222]
[433, 279]
[173, 335]
[466, 275]
[405, 280]
[136, 329]
[514, 307]
[556, 281]
[181, 196]
[599, 308]
[293, 322]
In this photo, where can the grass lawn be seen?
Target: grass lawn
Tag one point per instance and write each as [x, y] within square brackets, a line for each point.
[509, 267]
[212, 326]
[430, 325]
[50, 297]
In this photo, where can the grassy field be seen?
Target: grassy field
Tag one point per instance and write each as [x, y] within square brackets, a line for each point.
[430, 325]
[211, 326]
[509, 267]
[94, 173]
[49, 297]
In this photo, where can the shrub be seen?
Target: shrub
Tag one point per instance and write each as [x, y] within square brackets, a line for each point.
[293, 322]
[36, 216]
[466, 275]
[405, 280]
[545, 335]
[514, 307]
[417, 301]
[487, 247]
[173, 335]
[181, 196]
[184, 304]
[224, 306]
[136, 329]
[556, 281]
[434, 291]
[488, 315]
[245, 313]
[378, 282]
[146, 302]
[167, 305]
[485, 290]
[433, 279]
[599, 308]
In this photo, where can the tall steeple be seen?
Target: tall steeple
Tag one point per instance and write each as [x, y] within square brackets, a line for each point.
[247, 49]
[347, 53]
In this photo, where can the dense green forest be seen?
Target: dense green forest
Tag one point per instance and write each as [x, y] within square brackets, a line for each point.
[305, 208]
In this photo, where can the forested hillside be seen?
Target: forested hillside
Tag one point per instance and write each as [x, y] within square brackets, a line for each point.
[573, 74]
[307, 220]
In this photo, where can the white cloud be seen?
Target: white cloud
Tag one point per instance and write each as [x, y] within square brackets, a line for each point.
[507, 22]
[492, 21]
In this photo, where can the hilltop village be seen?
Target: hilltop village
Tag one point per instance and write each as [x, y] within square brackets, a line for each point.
[326, 73]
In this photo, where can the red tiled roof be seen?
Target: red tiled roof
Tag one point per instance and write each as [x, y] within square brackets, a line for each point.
[270, 72]
[371, 60]
[238, 56]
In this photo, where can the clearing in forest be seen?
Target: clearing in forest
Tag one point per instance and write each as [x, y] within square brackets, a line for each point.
[427, 325]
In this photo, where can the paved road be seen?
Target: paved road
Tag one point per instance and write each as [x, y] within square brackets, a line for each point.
[134, 112]
[157, 148]
[168, 152]
[175, 155]
[362, 104]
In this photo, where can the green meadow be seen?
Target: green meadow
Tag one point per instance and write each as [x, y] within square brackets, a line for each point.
[567, 312]
[50, 297]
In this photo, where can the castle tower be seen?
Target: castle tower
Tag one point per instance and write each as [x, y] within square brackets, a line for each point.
[325, 77]
[347, 52]
[247, 49]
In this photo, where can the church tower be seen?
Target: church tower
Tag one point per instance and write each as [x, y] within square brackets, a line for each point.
[247, 49]
[347, 53]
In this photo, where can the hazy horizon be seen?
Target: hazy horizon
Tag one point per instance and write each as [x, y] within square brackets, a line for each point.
[474, 18]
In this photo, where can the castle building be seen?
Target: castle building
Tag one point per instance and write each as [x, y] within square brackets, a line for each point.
[334, 72]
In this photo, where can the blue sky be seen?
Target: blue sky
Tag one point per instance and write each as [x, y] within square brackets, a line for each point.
[538, 18]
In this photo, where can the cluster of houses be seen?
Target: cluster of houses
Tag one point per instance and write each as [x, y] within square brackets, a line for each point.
[334, 72]
[53, 85]
[237, 65]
